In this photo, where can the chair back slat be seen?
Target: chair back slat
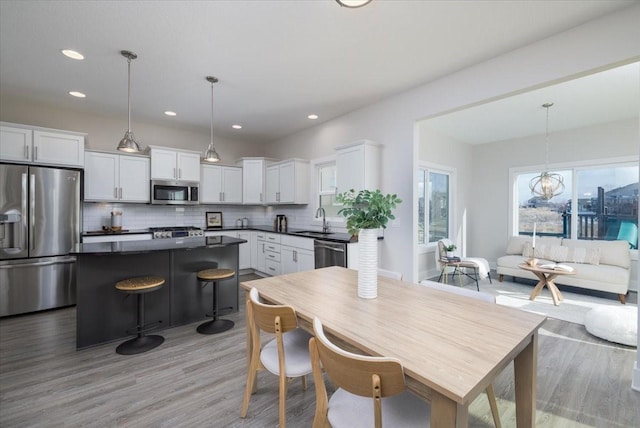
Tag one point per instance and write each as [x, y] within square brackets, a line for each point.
[264, 315]
[357, 373]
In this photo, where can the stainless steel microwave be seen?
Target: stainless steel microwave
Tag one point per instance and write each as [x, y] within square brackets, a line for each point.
[174, 192]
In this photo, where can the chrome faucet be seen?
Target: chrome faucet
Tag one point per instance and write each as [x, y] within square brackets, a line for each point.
[325, 225]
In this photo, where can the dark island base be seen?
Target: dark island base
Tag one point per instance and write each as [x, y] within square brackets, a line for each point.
[105, 314]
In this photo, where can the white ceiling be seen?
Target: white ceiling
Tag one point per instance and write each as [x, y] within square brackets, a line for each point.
[277, 61]
[598, 98]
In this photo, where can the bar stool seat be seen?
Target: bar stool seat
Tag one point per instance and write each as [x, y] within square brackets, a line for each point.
[142, 342]
[216, 325]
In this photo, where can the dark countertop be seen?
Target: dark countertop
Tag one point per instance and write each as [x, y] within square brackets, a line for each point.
[121, 232]
[304, 233]
[152, 245]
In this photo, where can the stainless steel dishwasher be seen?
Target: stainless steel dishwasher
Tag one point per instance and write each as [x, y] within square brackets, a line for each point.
[329, 253]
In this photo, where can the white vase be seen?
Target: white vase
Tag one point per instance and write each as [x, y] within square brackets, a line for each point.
[368, 263]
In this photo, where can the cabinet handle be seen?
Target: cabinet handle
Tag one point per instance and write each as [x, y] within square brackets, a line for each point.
[174, 173]
[115, 192]
[273, 269]
[35, 153]
[260, 196]
[121, 193]
[222, 196]
[179, 172]
[262, 248]
[26, 152]
[295, 256]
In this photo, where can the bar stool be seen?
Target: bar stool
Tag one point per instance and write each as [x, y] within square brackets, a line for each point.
[140, 286]
[216, 325]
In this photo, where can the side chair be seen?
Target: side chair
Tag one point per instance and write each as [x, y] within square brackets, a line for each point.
[370, 390]
[491, 395]
[286, 356]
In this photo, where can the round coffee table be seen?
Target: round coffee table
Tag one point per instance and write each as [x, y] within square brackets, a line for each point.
[546, 277]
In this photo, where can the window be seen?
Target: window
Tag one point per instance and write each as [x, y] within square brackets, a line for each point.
[327, 189]
[605, 197]
[434, 204]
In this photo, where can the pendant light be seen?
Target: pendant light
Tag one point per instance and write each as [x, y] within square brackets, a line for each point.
[210, 155]
[128, 143]
[547, 185]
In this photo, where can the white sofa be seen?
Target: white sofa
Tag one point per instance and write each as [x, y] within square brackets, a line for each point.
[598, 265]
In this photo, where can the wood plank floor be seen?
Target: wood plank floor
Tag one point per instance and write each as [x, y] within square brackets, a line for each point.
[197, 381]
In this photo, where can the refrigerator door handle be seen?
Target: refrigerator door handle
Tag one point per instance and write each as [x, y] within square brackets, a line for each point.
[23, 206]
[32, 210]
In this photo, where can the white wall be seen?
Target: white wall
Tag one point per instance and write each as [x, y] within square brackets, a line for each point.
[104, 132]
[611, 39]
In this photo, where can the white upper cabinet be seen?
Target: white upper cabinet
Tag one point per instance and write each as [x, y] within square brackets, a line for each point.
[253, 179]
[110, 177]
[288, 182]
[220, 184]
[170, 164]
[358, 166]
[21, 143]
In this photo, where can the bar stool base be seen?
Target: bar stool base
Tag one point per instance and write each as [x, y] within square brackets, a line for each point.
[138, 345]
[215, 326]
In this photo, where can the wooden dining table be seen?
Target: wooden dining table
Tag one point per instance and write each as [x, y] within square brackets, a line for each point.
[452, 347]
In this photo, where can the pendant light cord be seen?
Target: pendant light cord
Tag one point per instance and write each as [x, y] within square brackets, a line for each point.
[546, 138]
[211, 112]
[128, 94]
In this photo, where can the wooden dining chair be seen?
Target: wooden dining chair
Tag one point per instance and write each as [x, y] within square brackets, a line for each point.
[491, 395]
[287, 355]
[370, 390]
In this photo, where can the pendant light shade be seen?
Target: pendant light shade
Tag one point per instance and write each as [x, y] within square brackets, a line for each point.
[547, 185]
[210, 155]
[128, 143]
[352, 4]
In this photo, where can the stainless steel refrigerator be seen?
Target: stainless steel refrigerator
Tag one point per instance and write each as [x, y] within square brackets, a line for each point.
[40, 223]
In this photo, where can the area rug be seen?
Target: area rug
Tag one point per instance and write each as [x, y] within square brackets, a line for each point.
[573, 308]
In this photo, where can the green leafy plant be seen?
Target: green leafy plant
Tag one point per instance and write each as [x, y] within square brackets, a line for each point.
[367, 209]
[450, 247]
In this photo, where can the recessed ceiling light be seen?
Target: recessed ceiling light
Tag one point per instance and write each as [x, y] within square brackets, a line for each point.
[312, 116]
[77, 94]
[236, 126]
[170, 113]
[72, 54]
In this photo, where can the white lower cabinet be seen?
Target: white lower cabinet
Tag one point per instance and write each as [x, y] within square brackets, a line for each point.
[244, 250]
[297, 254]
[272, 254]
[260, 257]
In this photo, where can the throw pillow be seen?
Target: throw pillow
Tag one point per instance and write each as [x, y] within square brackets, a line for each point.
[556, 253]
[540, 251]
[584, 255]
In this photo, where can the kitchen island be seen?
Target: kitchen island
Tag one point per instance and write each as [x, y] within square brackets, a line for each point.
[104, 314]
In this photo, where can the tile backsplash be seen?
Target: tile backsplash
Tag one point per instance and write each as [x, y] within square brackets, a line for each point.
[143, 216]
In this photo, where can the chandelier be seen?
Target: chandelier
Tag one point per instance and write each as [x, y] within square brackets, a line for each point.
[547, 184]
[210, 155]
